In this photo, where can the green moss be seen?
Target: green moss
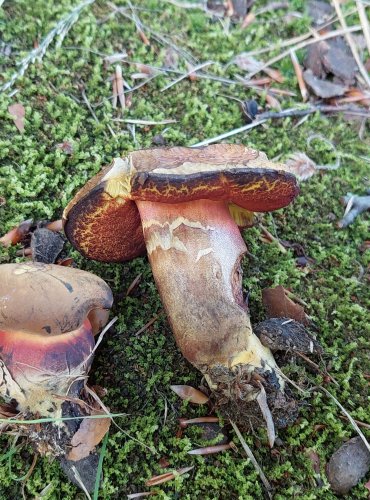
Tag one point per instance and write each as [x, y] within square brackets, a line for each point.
[38, 179]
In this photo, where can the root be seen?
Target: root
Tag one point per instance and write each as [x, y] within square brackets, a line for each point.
[235, 393]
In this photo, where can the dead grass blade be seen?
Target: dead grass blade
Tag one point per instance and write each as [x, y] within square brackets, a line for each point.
[265, 410]
[364, 22]
[305, 43]
[251, 457]
[351, 42]
[187, 74]
[352, 421]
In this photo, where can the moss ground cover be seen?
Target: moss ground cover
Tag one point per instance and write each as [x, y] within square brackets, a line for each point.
[37, 179]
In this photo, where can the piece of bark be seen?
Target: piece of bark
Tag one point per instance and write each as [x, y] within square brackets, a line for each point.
[323, 88]
[46, 245]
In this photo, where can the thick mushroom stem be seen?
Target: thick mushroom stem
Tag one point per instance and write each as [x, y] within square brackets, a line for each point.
[195, 250]
[39, 371]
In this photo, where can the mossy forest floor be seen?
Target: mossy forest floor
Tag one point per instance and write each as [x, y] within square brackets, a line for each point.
[37, 179]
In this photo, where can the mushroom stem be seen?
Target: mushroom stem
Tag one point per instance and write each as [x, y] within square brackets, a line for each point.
[38, 370]
[195, 251]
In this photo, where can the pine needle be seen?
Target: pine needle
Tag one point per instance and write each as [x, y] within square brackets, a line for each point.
[60, 30]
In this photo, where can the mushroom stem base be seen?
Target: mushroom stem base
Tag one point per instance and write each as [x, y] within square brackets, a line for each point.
[235, 393]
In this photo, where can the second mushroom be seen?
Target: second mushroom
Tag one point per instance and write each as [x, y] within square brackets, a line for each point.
[176, 203]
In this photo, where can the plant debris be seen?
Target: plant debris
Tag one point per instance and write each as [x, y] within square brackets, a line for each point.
[18, 113]
[278, 305]
[190, 394]
[284, 334]
[355, 205]
[89, 434]
[168, 476]
[210, 450]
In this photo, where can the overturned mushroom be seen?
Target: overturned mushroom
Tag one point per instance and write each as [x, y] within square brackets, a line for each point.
[175, 203]
[48, 317]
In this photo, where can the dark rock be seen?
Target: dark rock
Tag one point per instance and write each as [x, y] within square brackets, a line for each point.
[348, 465]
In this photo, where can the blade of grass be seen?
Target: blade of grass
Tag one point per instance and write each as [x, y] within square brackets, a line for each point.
[100, 466]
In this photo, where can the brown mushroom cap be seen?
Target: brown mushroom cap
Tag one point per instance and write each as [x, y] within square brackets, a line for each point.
[103, 223]
[49, 299]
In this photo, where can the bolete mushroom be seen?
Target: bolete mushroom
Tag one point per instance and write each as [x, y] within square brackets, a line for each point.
[175, 203]
[48, 317]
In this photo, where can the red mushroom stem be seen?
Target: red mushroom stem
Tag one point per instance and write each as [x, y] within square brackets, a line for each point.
[195, 251]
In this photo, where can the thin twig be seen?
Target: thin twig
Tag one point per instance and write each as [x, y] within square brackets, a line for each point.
[188, 73]
[60, 30]
[299, 75]
[144, 122]
[364, 22]
[327, 36]
[297, 39]
[354, 425]
[147, 325]
[351, 42]
[251, 457]
[263, 117]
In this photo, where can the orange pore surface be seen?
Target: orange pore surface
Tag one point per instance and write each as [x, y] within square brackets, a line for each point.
[24, 353]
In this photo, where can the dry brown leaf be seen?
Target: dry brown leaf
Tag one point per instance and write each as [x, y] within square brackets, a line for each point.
[210, 450]
[18, 113]
[89, 434]
[279, 305]
[168, 476]
[273, 102]
[190, 394]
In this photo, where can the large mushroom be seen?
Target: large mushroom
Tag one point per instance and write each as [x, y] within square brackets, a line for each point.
[48, 317]
[175, 203]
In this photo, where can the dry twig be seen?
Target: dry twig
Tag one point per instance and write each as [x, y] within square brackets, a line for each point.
[251, 457]
[351, 42]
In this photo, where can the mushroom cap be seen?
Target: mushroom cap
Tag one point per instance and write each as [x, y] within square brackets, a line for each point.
[102, 220]
[48, 299]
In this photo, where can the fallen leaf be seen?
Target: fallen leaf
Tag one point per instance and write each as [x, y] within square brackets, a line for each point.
[323, 88]
[89, 434]
[190, 394]
[168, 476]
[248, 63]
[279, 305]
[18, 113]
[210, 450]
[2, 201]
[46, 245]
